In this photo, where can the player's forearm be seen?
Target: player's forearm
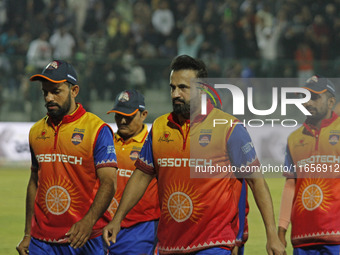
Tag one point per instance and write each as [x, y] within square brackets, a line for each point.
[105, 193]
[286, 203]
[30, 197]
[133, 192]
[264, 202]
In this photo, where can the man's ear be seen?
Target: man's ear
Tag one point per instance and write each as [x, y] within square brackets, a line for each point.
[144, 114]
[74, 91]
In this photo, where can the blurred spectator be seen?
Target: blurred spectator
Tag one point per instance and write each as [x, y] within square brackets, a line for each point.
[118, 32]
[124, 9]
[245, 40]
[190, 41]
[3, 13]
[163, 19]
[227, 38]
[134, 74]
[335, 49]
[79, 8]
[304, 59]
[62, 43]
[96, 43]
[168, 49]
[9, 40]
[94, 16]
[267, 39]
[39, 53]
[141, 20]
[116, 25]
[265, 16]
[181, 8]
[321, 37]
[5, 68]
[146, 50]
[330, 14]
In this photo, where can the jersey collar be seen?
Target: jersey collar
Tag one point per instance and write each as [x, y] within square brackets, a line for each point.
[79, 111]
[139, 138]
[199, 118]
[324, 123]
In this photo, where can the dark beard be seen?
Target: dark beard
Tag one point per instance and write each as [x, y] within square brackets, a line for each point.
[57, 115]
[182, 109]
[312, 119]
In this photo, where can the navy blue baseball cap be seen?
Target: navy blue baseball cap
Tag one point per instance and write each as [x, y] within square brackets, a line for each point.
[318, 85]
[57, 71]
[128, 103]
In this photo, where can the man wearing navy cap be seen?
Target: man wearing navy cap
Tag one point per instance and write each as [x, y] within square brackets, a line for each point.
[139, 227]
[73, 172]
[310, 199]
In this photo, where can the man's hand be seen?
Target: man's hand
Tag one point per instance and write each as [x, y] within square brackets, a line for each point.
[234, 251]
[111, 231]
[79, 233]
[275, 247]
[22, 246]
[282, 235]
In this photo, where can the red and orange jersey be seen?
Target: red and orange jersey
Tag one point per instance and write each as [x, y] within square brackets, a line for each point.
[148, 207]
[66, 158]
[316, 156]
[196, 213]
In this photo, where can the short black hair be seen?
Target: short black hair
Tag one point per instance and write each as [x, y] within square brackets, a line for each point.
[185, 62]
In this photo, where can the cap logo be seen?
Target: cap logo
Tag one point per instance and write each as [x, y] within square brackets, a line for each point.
[52, 65]
[330, 88]
[313, 79]
[70, 76]
[124, 97]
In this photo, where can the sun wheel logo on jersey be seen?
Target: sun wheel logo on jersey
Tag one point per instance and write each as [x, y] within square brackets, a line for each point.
[182, 203]
[313, 194]
[59, 196]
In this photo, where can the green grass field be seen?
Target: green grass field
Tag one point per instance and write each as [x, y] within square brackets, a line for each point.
[13, 184]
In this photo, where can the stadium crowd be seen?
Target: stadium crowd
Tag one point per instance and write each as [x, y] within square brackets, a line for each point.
[129, 41]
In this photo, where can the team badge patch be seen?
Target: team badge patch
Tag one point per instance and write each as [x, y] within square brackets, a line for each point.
[204, 140]
[52, 65]
[313, 79]
[333, 139]
[124, 97]
[134, 155]
[77, 138]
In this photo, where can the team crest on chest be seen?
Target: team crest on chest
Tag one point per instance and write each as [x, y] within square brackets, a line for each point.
[77, 138]
[134, 155]
[333, 139]
[205, 137]
[204, 140]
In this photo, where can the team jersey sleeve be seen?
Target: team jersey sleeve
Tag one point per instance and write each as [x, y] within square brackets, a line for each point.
[104, 151]
[145, 161]
[289, 164]
[241, 150]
